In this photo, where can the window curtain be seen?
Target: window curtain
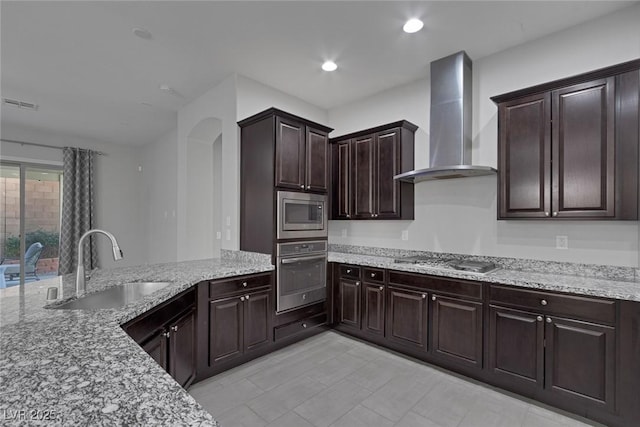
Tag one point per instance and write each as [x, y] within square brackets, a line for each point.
[77, 209]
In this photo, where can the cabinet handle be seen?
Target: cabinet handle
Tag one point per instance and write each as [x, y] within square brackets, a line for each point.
[548, 319]
[247, 297]
[241, 298]
[543, 302]
[555, 214]
[424, 296]
[302, 186]
[244, 284]
[433, 298]
[174, 328]
[546, 214]
[304, 325]
[381, 288]
[166, 334]
[539, 318]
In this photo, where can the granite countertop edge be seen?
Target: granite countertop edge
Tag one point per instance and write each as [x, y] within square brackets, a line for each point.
[628, 290]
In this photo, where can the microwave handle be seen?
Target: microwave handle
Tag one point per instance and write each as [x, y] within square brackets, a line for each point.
[302, 258]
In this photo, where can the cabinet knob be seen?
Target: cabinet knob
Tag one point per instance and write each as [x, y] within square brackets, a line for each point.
[543, 302]
[348, 216]
[308, 187]
[244, 284]
[546, 214]
[424, 296]
[433, 298]
[555, 214]
[304, 325]
[241, 298]
[166, 334]
[174, 328]
[246, 297]
[357, 283]
[348, 270]
[373, 274]
[302, 186]
[548, 319]
[539, 318]
[381, 288]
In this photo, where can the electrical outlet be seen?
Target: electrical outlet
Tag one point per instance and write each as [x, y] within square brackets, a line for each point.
[405, 235]
[218, 235]
[228, 234]
[344, 232]
[228, 222]
[562, 242]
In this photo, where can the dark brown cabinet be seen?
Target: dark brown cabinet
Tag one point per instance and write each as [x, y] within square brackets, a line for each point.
[407, 317]
[456, 330]
[373, 308]
[301, 156]
[350, 296]
[555, 346]
[238, 324]
[168, 334]
[563, 148]
[363, 166]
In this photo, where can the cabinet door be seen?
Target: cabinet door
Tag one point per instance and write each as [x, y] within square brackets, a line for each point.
[407, 317]
[457, 330]
[257, 320]
[341, 194]
[524, 157]
[182, 349]
[373, 308]
[316, 164]
[289, 154]
[584, 150]
[581, 361]
[350, 303]
[516, 347]
[387, 189]
[225, 329]
[156, 347]
[363, 176]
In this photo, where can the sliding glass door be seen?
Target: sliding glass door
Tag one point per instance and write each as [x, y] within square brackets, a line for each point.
[31, 198]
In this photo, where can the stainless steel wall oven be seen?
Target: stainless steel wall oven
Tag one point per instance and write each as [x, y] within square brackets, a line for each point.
[301, 274]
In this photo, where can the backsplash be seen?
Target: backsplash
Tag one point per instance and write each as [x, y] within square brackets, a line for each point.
[530, 265]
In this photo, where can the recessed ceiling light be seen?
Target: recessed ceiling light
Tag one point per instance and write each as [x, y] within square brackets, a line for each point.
[142, 33]
[329, 66]
[413, 25]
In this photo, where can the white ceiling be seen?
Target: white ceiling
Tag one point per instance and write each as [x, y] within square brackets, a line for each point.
[80, 62]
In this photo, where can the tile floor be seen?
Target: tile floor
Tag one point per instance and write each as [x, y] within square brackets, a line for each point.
[330, 380]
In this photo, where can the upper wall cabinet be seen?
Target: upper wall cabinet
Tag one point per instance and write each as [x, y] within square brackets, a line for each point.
[363, 166]
[569, 148]
[301, 155]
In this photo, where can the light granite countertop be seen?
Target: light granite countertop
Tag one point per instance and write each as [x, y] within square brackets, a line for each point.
[78, 367]
[601, 281]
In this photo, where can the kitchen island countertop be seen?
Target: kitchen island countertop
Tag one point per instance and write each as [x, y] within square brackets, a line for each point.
[78, 367]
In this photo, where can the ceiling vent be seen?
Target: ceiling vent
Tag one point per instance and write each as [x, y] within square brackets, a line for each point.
[19, 104]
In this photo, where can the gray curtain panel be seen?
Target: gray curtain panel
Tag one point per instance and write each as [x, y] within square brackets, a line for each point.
[77, 209]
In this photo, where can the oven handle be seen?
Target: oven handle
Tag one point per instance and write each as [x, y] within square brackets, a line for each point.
[302, 258]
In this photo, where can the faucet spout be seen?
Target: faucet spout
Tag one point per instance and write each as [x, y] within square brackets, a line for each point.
[80, 277]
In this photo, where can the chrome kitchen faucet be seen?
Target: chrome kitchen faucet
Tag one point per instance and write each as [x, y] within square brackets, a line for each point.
[80, 278]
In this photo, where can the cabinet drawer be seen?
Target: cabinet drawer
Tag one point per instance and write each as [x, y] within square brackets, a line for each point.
[373, 275]
[240, 284]
[440, 285]
[579, 307]
[300, 326]
[350, 271]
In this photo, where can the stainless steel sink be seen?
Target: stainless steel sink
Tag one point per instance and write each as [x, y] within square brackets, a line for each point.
[115, 297]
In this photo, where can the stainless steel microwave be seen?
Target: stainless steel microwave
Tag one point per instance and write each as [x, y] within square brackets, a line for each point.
[301, 215]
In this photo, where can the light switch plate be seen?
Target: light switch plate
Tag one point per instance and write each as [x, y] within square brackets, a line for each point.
[405, 235]
[562, 242]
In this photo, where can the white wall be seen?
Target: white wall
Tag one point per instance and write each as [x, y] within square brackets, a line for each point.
[254, 97]
[459, 216]
[118, 186]
[159, 198]
[200, 226]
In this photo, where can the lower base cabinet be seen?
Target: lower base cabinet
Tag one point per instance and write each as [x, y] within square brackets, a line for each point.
[407, 317]
[168, 334]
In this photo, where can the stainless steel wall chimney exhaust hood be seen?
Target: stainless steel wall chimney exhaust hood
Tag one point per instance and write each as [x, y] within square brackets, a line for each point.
[450, 123]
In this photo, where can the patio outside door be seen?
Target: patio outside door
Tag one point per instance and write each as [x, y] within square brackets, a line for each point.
[31, 197]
